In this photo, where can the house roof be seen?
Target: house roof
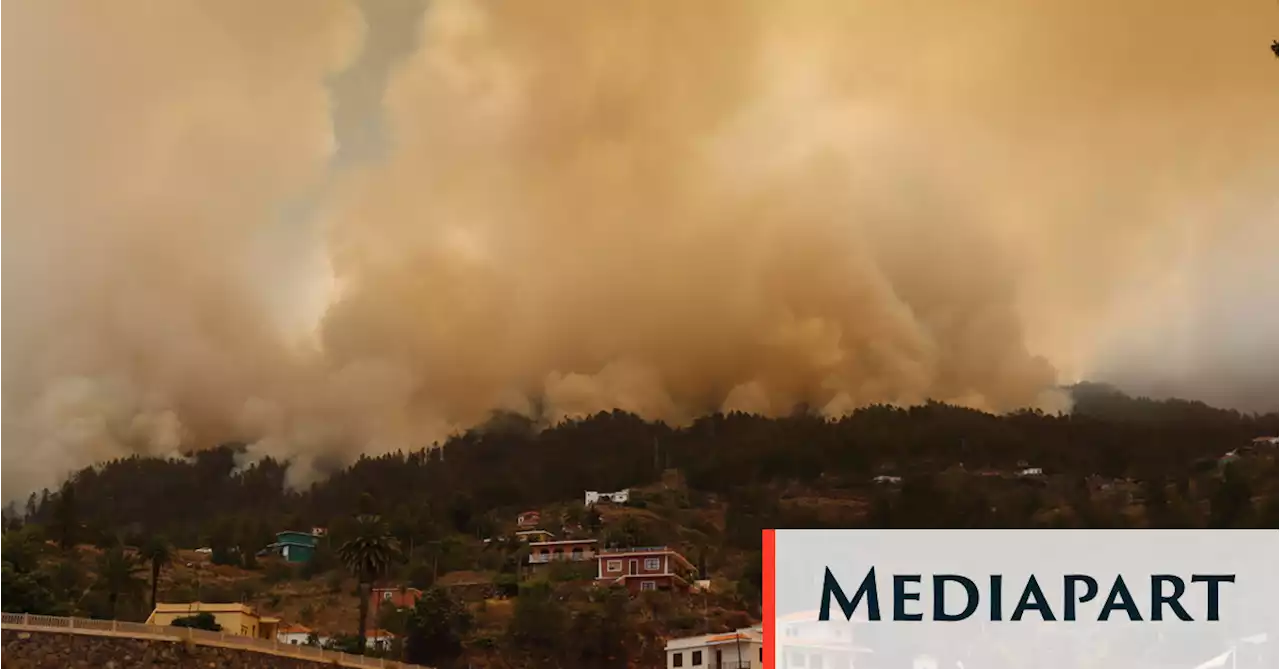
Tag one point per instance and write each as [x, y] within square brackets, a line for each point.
[293, 629]
[396, 588]
[296, 533]
[202, 607]
[562, 542]
[380, 634]
[741, 636]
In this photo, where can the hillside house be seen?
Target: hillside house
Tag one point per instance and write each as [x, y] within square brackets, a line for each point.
[621, 497]
[887, 480]
[1031, 472]
[531, 536]
[399, 597]
[743, 649]
[803, 642]
[379, 639]
[647, 568]
[528, 520]
[572, 550]
[238, 619]
[1266, 441]
[294, 635]
[295, 546]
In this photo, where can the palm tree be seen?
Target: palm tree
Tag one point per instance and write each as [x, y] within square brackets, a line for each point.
[368, 555]
[117, 573]
[159, 553]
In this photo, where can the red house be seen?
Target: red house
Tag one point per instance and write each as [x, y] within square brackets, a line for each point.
[648, 568]
[401, 598]
[528, 519]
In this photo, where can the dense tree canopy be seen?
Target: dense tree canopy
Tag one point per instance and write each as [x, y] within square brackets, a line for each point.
[707, 489]
[423, 496]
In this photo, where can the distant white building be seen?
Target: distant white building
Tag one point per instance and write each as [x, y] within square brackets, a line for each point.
[887, 480]
[301, 635]
[805, 643]
[743, 649]
[620, 497]
[293, 634]
[1031, 472]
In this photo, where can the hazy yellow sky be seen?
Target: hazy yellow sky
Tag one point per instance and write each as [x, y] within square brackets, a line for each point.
[327, 228]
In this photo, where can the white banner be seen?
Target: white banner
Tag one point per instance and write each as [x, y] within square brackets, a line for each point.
[988, 599]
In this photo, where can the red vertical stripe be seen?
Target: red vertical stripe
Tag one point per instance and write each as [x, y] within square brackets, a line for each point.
[769, 608]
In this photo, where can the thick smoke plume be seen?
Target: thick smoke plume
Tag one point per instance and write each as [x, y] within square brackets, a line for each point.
[665, 207]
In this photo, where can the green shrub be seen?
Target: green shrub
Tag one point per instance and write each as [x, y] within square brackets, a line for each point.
[200, 621]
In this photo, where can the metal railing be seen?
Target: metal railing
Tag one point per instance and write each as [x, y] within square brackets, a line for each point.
[640, 549]
[120, 628]
[544, 558]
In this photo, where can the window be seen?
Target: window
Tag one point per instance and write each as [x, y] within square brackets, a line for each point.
[697, 658]
[652, 564]
[795, 660]
[386, 596]
[677, 660]
[815, 662]
[649, 585]
[762, 653]
[613, 565]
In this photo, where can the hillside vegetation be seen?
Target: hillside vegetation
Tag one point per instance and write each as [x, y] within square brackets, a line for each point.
[706, 490]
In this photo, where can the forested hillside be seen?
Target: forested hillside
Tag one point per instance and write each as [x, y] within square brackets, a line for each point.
[706, 490]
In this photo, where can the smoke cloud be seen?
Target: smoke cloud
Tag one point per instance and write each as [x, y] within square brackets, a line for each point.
[664, 207]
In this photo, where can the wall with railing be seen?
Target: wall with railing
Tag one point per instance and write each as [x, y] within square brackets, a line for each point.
[119, 628]
[638, 549]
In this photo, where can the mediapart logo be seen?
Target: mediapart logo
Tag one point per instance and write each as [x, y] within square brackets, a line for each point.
[1167, 591]
[998, 599]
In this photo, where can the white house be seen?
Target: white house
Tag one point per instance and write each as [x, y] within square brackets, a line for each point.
[379, 639]
[887, 480]
[620, 497]
[805, 643]
[299, 635]
[1031, 472]
[293, 634]
[743, 649]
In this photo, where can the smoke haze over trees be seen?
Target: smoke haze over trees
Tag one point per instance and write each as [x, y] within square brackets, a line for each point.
[666, 208]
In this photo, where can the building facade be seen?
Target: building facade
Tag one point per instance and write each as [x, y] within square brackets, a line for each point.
[571, 550]
[643, 569]
[591, 497]
[743, 649]
[534, 536]
[294, 635]
[399, 597]
[238, 619]
[296, 547]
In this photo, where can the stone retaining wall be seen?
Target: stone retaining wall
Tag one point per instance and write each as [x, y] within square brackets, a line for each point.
[52, 650]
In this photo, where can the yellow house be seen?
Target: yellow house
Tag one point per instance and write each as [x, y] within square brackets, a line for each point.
[239, 619]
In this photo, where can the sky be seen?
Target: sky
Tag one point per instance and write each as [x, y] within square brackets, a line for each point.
[336, 227]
